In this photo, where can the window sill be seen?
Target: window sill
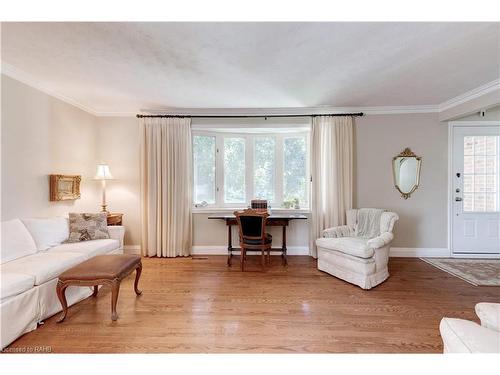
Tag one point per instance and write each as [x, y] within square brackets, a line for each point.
[225, 210]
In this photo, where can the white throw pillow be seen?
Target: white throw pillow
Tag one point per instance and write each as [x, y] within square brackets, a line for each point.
[16, 241]
[48, 232]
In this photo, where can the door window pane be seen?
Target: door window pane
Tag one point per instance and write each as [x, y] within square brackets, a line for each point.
[481, 174]
[234, 170]
[204, 168]
[264, 165]
[295, 170]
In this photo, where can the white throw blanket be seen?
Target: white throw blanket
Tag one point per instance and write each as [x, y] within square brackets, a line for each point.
[368, 225]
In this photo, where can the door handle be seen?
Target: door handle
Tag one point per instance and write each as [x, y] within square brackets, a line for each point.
[458, 199]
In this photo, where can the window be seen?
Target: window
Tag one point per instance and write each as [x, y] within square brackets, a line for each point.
[295, 170]
[481, 155]
[264, 168]
[234, 170]
[231, 169]
[204, 168]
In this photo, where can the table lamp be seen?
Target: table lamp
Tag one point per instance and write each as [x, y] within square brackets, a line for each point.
[103, 174]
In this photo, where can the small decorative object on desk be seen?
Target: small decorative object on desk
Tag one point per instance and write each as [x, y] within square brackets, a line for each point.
[115, 219]
[259, 205]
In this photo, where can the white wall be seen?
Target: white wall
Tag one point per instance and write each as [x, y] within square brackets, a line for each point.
[423, 217]
[42, 135]
[118, 145]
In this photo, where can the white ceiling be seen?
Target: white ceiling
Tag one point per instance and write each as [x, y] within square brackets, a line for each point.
[125, 67]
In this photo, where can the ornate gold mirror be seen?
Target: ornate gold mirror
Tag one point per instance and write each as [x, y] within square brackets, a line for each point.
[406, 172]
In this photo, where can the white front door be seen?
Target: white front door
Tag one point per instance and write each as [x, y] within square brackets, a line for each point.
[475, 212]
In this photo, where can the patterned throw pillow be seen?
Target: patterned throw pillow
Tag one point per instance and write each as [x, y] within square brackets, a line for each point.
[85, 227]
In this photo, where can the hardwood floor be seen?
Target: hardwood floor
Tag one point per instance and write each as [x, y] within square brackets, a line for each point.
[200, 305]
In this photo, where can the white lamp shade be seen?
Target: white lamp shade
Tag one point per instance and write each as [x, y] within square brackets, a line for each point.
[103, 172]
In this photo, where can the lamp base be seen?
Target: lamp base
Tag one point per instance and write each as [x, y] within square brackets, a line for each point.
[104, 208]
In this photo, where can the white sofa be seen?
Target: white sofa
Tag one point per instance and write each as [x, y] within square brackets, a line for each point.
[32, 256]
[360, 261]
[464, 336]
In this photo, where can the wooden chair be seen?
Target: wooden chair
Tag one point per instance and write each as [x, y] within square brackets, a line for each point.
[252, 225]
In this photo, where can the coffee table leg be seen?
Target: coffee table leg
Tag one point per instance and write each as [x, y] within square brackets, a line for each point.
[115, 289]
[138, 271]
[96, 289]
[61, 294]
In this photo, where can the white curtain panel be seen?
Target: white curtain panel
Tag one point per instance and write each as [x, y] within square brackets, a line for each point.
[331, 173]
[166, 186]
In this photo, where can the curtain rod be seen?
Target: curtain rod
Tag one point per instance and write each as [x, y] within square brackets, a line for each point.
[357, 114]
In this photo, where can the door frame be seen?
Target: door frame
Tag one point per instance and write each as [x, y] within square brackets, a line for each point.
[451, 126]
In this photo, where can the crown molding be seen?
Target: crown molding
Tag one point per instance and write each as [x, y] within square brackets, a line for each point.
[297, 111]
[21, 76]
[29, 80]
[470, 95]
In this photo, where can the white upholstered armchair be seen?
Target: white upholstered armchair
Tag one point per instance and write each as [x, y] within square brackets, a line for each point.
[359, 258]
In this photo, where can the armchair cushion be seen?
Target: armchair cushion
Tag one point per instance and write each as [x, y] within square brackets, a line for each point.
[489, 313]
[354, 246]
[340, 231]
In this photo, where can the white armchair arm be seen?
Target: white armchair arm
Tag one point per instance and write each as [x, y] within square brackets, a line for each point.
[341, 231]
[380, 241]
[117, 232]
[489, 314]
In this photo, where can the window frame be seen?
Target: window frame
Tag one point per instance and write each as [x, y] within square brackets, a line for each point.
[249, 138]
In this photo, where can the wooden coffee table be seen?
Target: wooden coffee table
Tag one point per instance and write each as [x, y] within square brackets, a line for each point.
[100, 270]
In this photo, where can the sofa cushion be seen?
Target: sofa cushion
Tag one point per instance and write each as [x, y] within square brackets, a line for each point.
[87, 248]
[349, 245]
[16, 241]
[48, 232]
[44, 266]
[86, 227]
[464, 336]
[489, 313]
[15, 283]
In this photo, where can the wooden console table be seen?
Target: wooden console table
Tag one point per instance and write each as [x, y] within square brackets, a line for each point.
[275, 220]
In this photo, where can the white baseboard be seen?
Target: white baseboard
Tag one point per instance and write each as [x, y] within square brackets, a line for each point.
[222, 250]
[404, 252]
[132, 249]
[418, 252]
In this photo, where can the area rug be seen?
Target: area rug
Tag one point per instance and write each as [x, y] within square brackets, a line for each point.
[478, 272]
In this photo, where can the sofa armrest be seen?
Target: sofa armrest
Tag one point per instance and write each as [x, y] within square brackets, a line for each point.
[463, 336]
[117, 232]
[489, 314]
[380, 241]
[340, 231]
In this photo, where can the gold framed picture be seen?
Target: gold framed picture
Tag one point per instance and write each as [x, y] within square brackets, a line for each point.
[64, 187]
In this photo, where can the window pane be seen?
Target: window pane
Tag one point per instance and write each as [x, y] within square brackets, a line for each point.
[294, 170]
[468, 164]
[468, 145]
[468, 183]
[204, 168]
[234, 170]
[264, 165]
[481, 173]
[479, 145]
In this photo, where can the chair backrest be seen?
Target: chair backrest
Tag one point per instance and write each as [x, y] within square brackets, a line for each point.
[251, 224]
[387, 220]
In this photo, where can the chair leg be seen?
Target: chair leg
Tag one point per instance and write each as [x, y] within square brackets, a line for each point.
[269, 256]
[263, 259]
[242, 260]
